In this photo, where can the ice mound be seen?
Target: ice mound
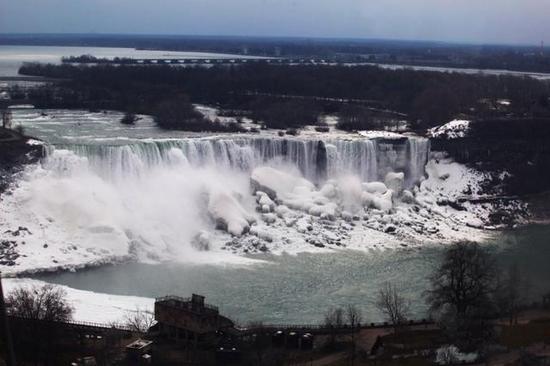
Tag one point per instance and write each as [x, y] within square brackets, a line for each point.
[382, 202]
[278, 184]
[345, 197]
[229, 214]
[395, 182]
[375, 187]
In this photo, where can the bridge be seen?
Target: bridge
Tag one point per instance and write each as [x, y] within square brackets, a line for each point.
[202, 61]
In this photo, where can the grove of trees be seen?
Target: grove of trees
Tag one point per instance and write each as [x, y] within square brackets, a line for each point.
[427, 98]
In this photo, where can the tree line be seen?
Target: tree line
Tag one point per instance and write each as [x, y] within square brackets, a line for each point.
[427, 98]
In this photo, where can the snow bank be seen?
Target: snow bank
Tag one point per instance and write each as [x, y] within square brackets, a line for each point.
[450, 355]
[91, 306]
[33, 142]
[451, 130]
[381, 134]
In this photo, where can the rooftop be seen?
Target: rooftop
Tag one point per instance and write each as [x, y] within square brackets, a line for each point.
[188, 303]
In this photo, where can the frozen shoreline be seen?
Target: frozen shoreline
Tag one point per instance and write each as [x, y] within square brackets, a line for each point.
[91, 306]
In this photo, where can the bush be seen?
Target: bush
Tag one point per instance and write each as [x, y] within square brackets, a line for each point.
[356, 118]
[322, 128]
[129, 119]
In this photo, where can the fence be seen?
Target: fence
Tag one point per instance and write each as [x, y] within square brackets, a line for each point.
[78, 324]
[323, 328]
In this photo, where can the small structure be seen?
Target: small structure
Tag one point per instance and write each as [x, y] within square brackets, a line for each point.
[189, 320]
[6, 119]
[139, 348]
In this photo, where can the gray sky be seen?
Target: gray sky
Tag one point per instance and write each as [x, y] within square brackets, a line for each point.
[479, 21]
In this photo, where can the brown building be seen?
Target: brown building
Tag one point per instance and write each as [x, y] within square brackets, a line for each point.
[189, 320]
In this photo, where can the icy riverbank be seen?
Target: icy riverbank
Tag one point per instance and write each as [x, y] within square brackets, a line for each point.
[91, 306]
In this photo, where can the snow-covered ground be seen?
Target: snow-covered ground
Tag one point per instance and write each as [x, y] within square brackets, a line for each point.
[91, 306]
[345, 213]
[451, 130]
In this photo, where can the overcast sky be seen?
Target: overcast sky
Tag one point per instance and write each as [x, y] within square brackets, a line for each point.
[479, 21]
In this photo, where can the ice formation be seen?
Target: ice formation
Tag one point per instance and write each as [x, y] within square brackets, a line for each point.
[195, 199]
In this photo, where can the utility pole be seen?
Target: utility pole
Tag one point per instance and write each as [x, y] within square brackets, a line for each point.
[10, 354]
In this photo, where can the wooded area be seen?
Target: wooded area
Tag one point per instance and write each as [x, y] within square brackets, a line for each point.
[291, 96]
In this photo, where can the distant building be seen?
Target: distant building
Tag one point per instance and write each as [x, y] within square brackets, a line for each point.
[189, 320]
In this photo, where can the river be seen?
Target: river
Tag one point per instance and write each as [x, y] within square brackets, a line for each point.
[299, 289]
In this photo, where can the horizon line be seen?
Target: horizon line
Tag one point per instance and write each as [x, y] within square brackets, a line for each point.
[274, 37]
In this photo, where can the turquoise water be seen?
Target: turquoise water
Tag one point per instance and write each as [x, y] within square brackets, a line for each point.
[299, 289]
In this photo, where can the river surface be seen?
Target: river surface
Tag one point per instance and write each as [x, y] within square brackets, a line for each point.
[12, 57]
[299, 289]
[491, 72]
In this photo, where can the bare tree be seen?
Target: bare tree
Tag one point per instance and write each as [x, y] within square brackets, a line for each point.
[47, 302]
[393, 305]
[334, 319]
[465, 279]
[139, 320]
[461, 293]
[512, 293]
[42, 308]
[354, 319]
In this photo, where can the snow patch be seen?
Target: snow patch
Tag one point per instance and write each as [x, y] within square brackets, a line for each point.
[91, 306]
[451, 130]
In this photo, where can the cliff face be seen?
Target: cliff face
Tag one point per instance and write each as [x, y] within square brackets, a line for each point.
[15, 152]
[527, 160]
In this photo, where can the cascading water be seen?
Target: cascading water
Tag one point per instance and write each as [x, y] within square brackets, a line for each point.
[317, 160]
[155, 198]
[419, 150]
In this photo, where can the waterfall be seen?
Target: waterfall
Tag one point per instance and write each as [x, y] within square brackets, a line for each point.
[419, 150]
[317, 160]
[356, 157]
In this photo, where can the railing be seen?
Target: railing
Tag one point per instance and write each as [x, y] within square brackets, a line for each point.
[187, 300]
[75, 323]
[323, 327]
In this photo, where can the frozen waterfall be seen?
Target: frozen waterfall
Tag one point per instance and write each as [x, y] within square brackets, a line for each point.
[317, 160]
